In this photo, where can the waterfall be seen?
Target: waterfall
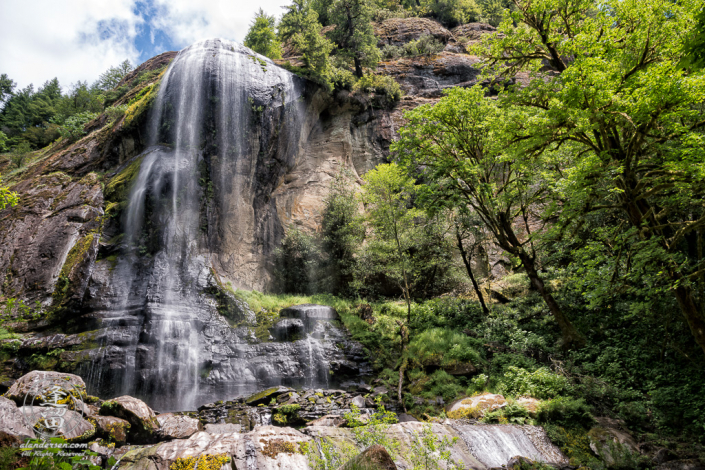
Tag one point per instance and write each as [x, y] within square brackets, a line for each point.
[220, 112]
[494, 445]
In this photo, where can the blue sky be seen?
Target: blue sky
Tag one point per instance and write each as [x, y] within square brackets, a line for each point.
[79, 39]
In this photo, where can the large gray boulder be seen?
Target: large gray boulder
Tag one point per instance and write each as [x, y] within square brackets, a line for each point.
[74, 428]
[112, 429]
[12, 420]
[175, 426]
[143, 423]
[36, 381]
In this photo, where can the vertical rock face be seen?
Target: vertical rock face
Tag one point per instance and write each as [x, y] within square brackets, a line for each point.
[226, 127]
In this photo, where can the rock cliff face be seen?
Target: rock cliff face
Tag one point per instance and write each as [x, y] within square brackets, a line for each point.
[127, 243]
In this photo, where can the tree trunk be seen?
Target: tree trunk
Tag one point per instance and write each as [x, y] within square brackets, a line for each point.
[358, 67]
[466, 261]
[572, 339]
[691, 312]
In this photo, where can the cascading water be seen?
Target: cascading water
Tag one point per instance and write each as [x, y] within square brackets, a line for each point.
[494, 445]
[225, 126]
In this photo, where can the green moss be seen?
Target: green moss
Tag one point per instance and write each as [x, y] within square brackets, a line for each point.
[141, 103]
[574, 443]
[118, 189]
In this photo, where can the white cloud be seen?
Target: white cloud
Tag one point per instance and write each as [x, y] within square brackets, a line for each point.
[187, 21]
[79, 39]
[69, 39]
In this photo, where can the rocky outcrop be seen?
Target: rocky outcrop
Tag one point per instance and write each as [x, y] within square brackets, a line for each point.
[12, 421]
[399, 31]
[36, 381]
[176, 426]
[112, 429]
[476, 406]
[143, 423]
[612, 442]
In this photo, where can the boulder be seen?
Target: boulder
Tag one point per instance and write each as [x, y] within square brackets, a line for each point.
[399, 31]
[209, 450]
[143, 422]
[374, 457]
[73, 428]
[475, 407]
[38, 380]
[12, 421]
[310, 314]
[112, 429]
[531, 404]
[176, 426]
[612, 442]
[265, 397]
[358, 401]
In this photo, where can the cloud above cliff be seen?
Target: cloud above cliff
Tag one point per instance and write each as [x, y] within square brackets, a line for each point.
[79, 39]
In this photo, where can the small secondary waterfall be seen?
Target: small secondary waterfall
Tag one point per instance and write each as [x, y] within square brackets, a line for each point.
[494, 445]
[225, 126]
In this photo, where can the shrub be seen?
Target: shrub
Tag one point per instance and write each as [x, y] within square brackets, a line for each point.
[386, 90]
[341, 79]
[443, 347]
[298, 260]
[390, 51]
[541, 383]
[113, 113]
[425, 45]
[455, 12]
[512, 413]
[565, 411]
[74, 127]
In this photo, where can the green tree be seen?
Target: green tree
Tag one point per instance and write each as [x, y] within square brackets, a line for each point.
[3, 142]
[353, 33]
[301, 28]
[387, 194]
[459, 147]
[343, 231]
[262, 37]
[455, 12]
[630, 118]
[298, 262]
[695, 45]
[7, 86]
[111, 77]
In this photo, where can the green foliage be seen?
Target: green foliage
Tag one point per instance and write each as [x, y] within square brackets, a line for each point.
[386, 90]
[374, 431]
[114, 113]
[3, 142]
[353, 33]
[694, 56]
[512, 413]
[298, 262]
[428, 451]
[262, 38]
[425, 45]
[566, 411]
[343, 231]
[494, 11]
[300, 27]
[286, 414]
[342, 79]
[74, 127]
[19, 154]
[443, 347]
[627, 83]
[541, 383]
[111, 77]
[455, 12]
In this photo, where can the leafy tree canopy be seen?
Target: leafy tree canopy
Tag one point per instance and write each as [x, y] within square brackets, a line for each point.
[262, 37]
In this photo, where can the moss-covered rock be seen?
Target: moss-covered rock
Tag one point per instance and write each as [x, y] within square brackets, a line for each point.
[143, 423]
